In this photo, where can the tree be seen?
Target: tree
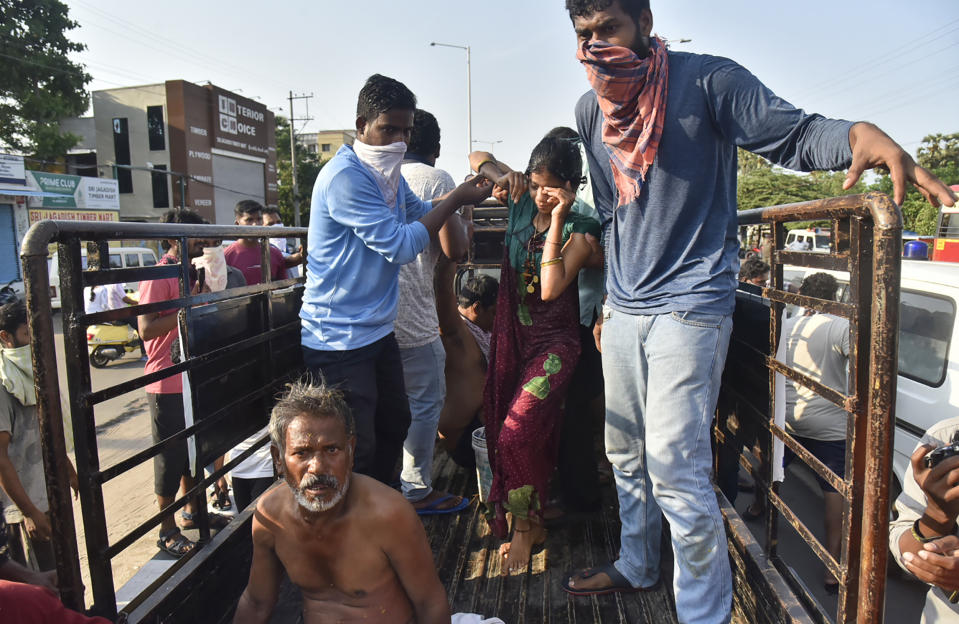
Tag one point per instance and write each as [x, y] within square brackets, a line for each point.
[39, 84]
[308, 166]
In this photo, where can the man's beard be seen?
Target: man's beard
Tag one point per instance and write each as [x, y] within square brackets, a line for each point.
[317, 505]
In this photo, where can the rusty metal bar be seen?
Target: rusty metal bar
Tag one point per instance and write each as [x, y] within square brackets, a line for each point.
[866, 244]
[883, 364]
[34, 252]
[53, 446]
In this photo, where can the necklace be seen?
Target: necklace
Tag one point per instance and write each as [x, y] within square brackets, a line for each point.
[533, 246]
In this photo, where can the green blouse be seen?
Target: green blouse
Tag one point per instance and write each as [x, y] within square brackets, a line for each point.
[520, 228]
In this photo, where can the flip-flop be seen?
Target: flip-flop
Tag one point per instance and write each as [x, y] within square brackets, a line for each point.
[433, 508]
[619, 584]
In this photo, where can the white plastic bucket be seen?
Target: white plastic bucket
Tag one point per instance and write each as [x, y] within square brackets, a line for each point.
[484, 474]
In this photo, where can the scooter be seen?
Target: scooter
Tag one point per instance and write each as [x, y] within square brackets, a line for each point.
[108, 342]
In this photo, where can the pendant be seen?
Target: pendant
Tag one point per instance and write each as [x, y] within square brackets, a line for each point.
[530, 289]
[536, 279]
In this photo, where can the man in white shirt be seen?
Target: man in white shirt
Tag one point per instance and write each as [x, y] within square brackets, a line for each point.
[817, 344]
[417, 327]
[923, 538]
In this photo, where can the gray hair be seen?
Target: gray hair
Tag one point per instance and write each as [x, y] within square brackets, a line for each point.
[312, 399]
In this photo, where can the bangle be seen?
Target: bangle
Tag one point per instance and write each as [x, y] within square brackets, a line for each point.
[485, 162]
[552, 243]
[546, 263]
[919, 537]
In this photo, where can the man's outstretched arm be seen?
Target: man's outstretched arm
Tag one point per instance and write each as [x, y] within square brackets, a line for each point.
[871, 147]
[258, 599]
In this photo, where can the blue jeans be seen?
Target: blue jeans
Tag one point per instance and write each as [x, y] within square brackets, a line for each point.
[662, 375]
[425, 378]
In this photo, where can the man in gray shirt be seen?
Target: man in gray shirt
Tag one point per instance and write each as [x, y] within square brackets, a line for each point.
[23, 490]
[417, 327]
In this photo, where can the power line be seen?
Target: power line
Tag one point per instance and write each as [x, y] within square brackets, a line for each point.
[922, 40]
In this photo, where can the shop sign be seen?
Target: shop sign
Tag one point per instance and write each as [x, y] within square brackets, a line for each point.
[61, 184]
[11, 169]
[39, 214]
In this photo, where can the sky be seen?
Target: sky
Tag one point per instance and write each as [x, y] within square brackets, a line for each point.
[893, 63]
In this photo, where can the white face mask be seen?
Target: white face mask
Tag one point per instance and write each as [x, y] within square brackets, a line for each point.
[384, 162]
[16, 373]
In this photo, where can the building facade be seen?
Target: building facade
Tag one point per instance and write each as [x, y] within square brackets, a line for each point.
[181, 144]
[328, 141]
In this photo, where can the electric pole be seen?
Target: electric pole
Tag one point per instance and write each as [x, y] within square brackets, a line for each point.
[293, 120]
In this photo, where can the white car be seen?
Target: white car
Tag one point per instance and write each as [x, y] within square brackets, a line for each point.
[120, 258]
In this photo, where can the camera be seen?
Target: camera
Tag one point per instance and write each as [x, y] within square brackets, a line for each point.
[936, 456]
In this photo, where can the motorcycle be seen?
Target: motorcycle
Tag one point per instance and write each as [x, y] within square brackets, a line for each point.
[108, 342]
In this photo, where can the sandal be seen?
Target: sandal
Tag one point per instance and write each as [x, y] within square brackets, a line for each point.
[618, 583]
[174, 543]
[217, 521]
[220, 498]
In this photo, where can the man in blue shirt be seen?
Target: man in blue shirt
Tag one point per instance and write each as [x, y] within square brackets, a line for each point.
[364, 223]
[663, 163]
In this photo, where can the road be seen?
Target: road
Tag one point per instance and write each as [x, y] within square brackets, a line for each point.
[122, 429]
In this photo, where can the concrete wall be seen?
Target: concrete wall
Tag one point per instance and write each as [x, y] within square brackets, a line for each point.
[131, 103]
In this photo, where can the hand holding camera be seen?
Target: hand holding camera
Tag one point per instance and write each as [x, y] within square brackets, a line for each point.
[936, 470]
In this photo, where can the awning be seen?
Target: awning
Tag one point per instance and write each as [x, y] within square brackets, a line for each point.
[30, 193]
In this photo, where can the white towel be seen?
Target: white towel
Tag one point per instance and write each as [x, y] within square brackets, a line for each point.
[472, 618]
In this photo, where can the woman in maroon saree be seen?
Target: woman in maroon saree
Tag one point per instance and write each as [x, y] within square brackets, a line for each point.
[535, 342]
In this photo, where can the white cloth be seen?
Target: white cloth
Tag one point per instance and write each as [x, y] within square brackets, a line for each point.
[257, 465]
[816, 345]
[115, 295]
[279, 243]
[99, 302]
[416, 321]
[910, 506]
[16, 373]
[473, 618]
[383, 161]
[213, 262]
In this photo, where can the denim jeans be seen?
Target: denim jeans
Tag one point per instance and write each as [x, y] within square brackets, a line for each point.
[425, 378]
[662, 375]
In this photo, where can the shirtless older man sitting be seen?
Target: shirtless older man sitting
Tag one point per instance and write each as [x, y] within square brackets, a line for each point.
[354, 547]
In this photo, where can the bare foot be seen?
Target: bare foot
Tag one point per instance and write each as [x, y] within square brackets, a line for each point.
[516, 553]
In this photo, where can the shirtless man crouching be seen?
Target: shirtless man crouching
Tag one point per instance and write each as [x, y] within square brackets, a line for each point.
[354, 547]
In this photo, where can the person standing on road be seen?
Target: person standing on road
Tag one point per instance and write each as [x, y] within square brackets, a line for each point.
[158, 330]
[661, 129]
[23, 488]
[365, 223]
[245, 254]
[818, 345]
[923, 537]
[417, 327]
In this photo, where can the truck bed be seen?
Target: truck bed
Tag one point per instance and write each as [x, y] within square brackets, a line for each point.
[468, 562]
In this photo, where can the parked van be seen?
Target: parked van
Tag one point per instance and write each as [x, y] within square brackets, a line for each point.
[810, 240]
[120, 258]
[928, 384]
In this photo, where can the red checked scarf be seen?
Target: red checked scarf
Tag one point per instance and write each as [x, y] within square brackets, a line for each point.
[632, 95]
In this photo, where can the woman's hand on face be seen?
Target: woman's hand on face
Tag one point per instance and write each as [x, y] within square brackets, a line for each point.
[515, 182]
[564, 200]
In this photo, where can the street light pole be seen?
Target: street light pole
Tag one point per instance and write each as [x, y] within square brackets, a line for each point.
[490, 143]
[469, 93]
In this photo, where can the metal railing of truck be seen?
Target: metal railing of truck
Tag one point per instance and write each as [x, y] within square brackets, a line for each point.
[866, 243]
[264, 318]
